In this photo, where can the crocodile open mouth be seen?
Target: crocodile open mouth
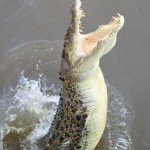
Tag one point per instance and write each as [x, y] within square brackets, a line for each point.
[77, 45]
[91, 40]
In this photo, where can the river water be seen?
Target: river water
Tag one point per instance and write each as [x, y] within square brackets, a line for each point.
[29, 84]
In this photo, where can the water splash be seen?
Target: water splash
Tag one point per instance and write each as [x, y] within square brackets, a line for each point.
[31, 110]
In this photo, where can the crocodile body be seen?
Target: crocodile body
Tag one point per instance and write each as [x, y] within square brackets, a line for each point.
[82, 111]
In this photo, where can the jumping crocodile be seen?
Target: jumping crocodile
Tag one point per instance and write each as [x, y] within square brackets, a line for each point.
[82, 111]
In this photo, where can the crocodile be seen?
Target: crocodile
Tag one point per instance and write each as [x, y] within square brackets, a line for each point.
[81, 115]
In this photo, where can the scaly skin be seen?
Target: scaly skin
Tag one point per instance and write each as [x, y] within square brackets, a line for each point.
[81, 115]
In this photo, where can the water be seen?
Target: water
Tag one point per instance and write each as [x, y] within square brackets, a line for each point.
[29, 98]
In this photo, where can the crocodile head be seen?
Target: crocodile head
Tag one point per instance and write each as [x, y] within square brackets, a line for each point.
[82, 51]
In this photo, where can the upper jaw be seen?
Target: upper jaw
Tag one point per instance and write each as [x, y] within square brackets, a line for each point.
[77, 45]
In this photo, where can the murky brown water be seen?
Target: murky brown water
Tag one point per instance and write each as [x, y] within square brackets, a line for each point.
[126, 67]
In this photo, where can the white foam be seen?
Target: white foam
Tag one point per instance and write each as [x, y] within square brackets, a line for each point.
[36, 106]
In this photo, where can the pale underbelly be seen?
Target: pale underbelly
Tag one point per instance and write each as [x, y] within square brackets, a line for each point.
[96, 121]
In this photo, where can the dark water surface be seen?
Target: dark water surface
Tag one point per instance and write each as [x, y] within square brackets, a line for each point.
[126, 67]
